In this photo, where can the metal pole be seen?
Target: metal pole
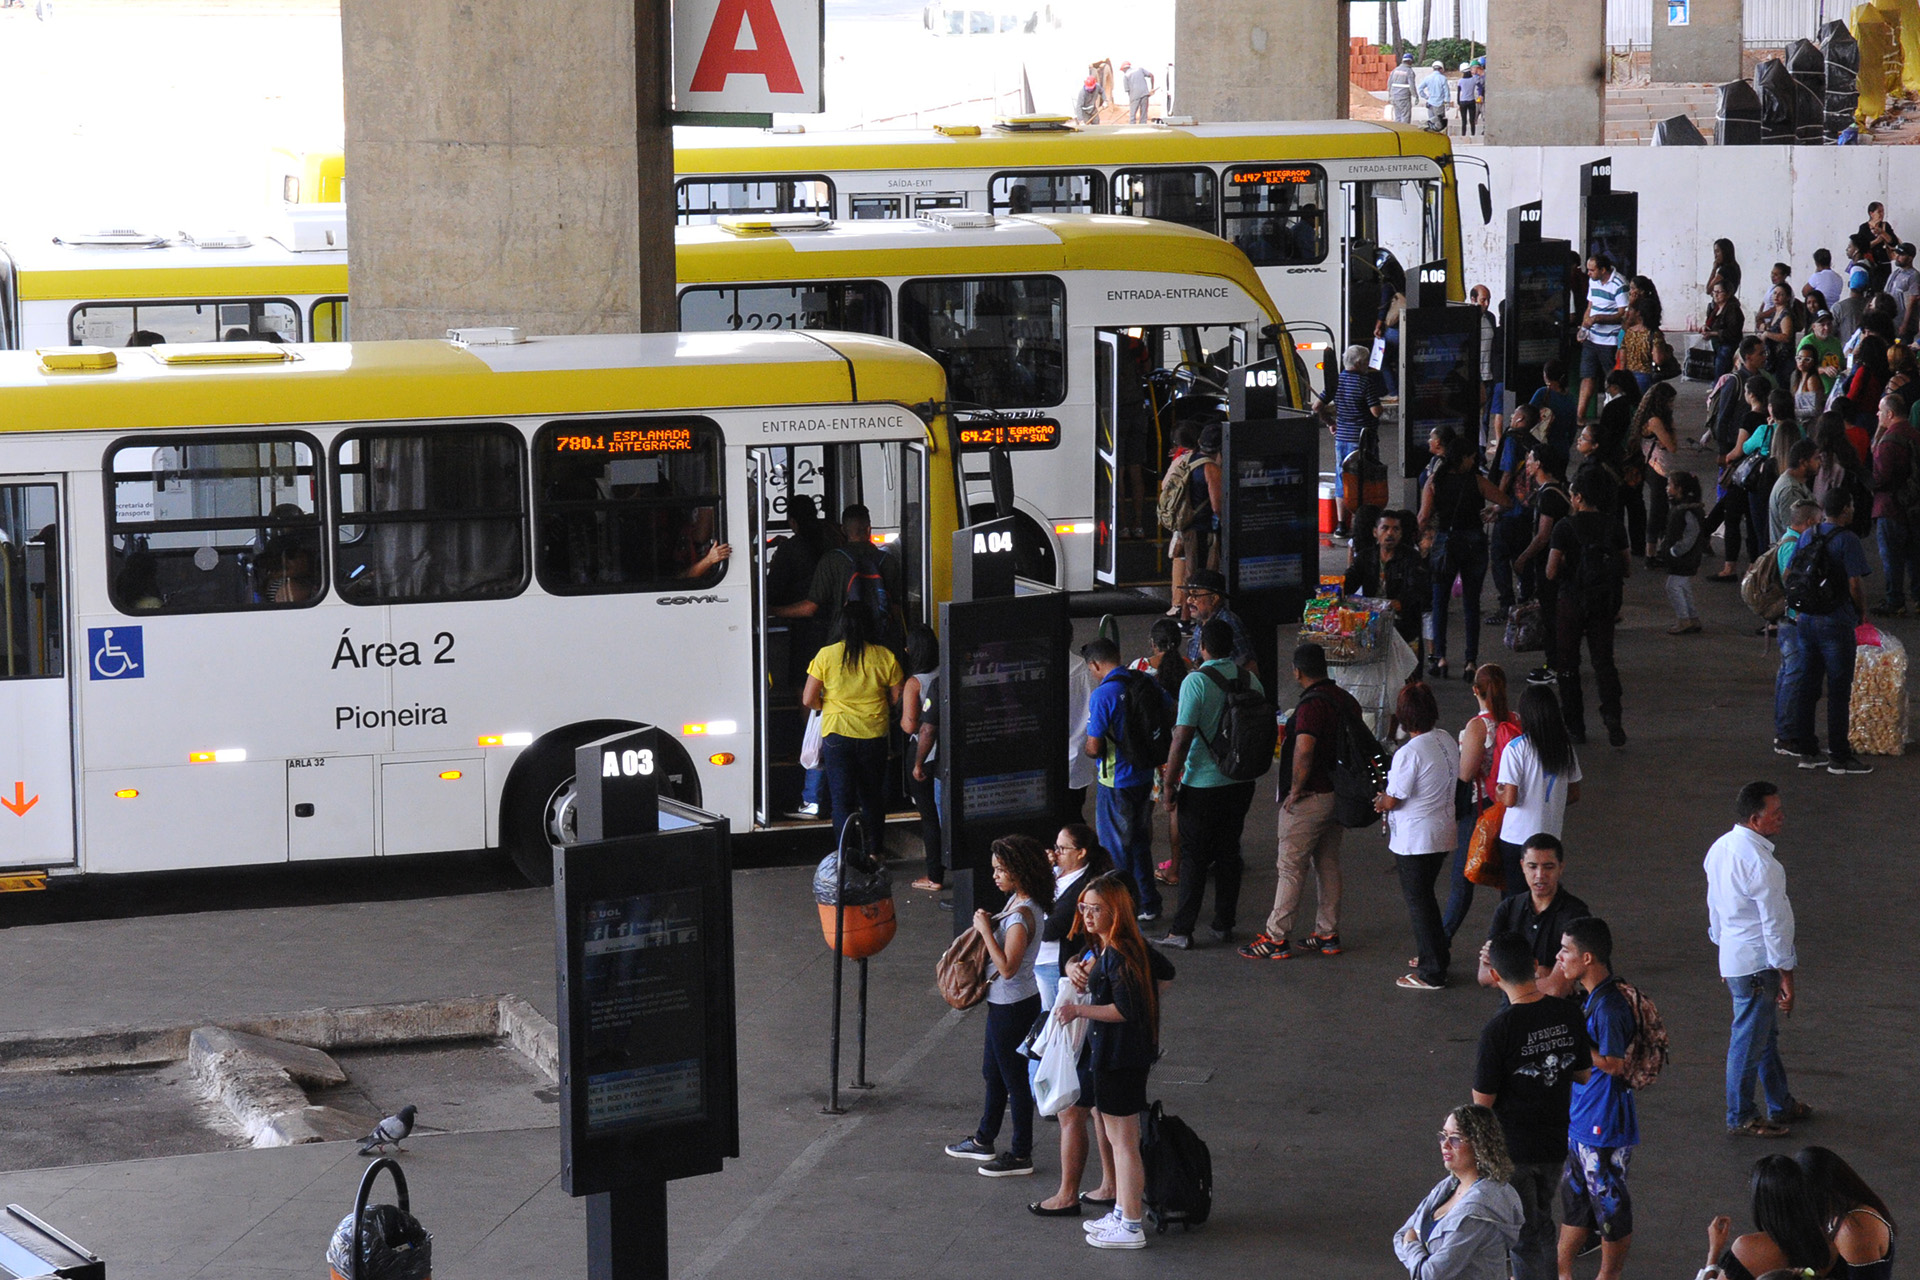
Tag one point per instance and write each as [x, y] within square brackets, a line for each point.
[860, 1062]
[627, 1233]
[833, 1107]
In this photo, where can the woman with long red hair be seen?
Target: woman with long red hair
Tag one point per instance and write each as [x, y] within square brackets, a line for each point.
[1123, 1006]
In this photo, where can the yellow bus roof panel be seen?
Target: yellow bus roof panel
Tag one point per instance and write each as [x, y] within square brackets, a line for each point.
[1023, 244]
[426, 380]
[80, 273]
[717, 151]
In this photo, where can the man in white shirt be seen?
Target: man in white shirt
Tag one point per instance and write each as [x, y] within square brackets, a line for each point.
[1400, 86]
[1822, 289]
[1603, 323]
[1904, 284]
[1139, 85]
[1751, 921]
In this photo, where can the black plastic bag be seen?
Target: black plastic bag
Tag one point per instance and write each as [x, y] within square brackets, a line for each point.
[1776, 92]
[1737, 118]
[1842, 54]
[394, 1246]
[1808, 67]
[1678, 131]
[867, 881]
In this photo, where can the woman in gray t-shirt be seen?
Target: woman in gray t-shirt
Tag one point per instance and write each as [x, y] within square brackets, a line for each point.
[1022, 872]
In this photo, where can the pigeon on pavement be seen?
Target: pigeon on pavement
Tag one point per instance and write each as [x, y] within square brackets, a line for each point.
[389, 1132]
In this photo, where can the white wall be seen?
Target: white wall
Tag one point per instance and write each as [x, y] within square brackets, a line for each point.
[1777, 204]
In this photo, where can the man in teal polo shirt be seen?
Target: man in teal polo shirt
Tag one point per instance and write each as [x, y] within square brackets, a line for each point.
[1212, 806]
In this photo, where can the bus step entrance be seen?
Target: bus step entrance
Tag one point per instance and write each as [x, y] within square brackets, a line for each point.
[22, 881]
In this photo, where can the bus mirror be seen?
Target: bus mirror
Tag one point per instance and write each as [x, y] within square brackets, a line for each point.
[1486, 204]
[1000, 469]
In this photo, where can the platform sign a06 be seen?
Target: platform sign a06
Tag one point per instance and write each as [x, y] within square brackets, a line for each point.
[748, 56]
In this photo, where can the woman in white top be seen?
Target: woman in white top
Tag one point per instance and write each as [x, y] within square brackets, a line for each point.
[1539, 777]
[1022, 872]
[1419, 803]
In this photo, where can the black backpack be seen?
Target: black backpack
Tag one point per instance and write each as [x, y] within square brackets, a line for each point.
[867, 588]
[1359, 768]
[1814, 580]
[1179, 1171]
[1146, 730]
[1599, 572]
[1244, 743]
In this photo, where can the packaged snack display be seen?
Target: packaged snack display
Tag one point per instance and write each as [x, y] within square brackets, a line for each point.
[1350, 628]
[1877, 723]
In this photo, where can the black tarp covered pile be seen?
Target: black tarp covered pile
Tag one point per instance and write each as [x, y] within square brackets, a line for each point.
[1736, 121]
[1841, 53]
[1775, 88]
[1808, 67]
[1678, 131]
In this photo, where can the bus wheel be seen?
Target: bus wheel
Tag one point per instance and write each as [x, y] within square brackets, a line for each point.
[539, 810]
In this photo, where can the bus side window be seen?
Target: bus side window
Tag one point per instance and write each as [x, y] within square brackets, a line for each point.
[210, 524]
[629, 504]
[707, 200]
[1173, 195]
[1276, 214]
[430, 515]
[1002, 340]
[327, 320]
[857, 306]
[137, 324]
[1070, 191]
[31, 644]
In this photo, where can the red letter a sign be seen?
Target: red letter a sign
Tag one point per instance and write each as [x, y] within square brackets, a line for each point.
[723, 57]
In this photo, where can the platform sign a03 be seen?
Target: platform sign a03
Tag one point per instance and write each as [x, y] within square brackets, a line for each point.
[748, 56]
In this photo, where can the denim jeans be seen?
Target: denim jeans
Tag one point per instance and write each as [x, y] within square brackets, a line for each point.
[1786, 688]
[1900, 556]
[1461, 554]
[1753, 1049]
[1533, 1256]
[1460, 899]
[1123, 817]
[1827, 648]
[1418, 872]
[1510, 537]
[813, 786]
[857, 779]
[1004, 1068]
[926, 803]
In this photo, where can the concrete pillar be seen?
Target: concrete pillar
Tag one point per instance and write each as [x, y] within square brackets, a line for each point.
[1546, 73]
[1704, 51]
[496, 165]
[1260, 59]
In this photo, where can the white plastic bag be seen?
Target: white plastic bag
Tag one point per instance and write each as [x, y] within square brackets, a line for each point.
[1056, 1080]
[810, 742]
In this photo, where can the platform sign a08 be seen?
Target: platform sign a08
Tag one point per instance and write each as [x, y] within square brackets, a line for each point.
[748, 56]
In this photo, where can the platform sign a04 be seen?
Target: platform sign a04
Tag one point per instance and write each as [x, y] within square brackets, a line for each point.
[748, 56]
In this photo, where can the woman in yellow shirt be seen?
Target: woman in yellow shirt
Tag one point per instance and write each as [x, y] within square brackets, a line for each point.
[854, 683]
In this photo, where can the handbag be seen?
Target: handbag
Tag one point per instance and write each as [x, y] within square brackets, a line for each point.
[961, 973]
[1754, 473]
[1462, 800]
[810, 742]
[1483, 851]
[1526, 631]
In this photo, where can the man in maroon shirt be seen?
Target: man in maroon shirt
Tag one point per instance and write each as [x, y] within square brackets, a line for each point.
[1308, 833]
[1896, 452]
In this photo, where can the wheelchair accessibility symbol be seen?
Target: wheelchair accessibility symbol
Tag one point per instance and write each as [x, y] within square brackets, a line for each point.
[115, 653]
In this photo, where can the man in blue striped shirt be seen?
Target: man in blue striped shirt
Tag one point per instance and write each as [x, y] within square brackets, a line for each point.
[1601, 327]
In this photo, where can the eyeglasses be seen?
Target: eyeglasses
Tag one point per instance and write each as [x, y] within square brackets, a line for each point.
[1064, 848]
[1452, 1139]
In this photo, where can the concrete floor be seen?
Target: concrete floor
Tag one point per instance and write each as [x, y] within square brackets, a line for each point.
[1316, 1082]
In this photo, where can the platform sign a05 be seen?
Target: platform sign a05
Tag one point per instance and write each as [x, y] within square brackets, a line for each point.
[747, 56]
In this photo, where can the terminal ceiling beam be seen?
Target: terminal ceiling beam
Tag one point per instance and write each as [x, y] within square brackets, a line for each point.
[509, 162]
[1260, 59]
[1546, 73]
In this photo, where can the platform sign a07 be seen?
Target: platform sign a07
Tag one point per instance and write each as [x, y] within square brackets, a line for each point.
[747, 56]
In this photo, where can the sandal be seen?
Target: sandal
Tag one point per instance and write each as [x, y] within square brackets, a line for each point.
[924, 883]
[1723, 577]
[1414, 982]
[1759, 1127]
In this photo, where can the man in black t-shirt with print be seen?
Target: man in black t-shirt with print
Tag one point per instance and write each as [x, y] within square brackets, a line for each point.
[1588, 560]
[1531, 1054]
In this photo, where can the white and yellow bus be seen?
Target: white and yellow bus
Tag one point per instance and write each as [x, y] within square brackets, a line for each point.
[267, 603]
[1052, 329]
[131, 288]
[1313, 203]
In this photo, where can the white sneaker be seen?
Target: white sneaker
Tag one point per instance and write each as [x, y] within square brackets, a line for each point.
[1111, 1218]
[1118, 1235]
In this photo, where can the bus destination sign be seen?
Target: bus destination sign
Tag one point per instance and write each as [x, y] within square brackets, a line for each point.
[1254, 175]
[628, 443]
[1016, 434]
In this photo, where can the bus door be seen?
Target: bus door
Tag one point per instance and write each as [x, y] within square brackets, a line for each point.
[1106, 456]
[9, 302]
[889, 478]
[36, 695]
[1393, 226]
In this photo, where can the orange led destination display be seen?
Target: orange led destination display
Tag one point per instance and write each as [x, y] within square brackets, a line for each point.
[1275, 177]
[1034, 433]
[620, 443]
